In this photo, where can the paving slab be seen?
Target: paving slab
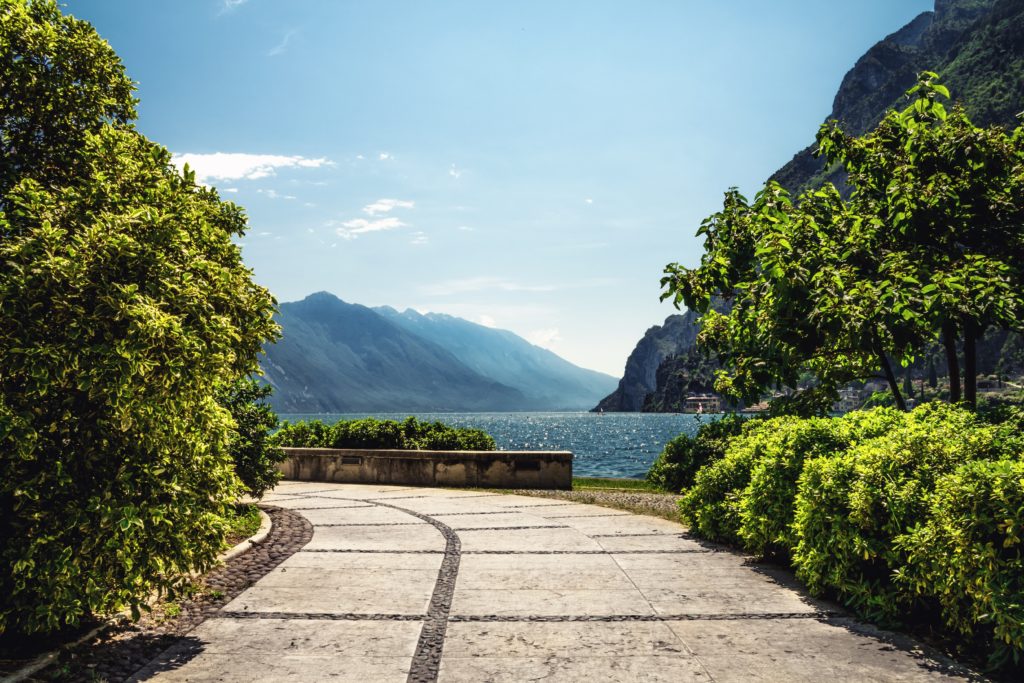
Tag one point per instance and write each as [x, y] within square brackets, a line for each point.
[406, 584]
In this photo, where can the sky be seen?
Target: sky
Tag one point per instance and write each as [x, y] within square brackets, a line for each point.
[529, 165]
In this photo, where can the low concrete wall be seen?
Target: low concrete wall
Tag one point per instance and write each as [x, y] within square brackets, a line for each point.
[486, 469]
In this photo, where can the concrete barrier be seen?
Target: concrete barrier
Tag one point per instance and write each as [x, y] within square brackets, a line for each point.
[486, 469]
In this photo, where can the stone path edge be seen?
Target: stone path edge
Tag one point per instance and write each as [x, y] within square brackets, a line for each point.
[102, 652]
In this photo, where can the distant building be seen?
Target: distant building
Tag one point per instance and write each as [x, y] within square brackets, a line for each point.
[702, 403]
[849, 400]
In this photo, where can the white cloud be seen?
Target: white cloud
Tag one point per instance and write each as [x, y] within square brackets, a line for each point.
[230, 5]
[478, 284]
[466, 228]
[419, 237]
[385, 156]
[454, 172]
[360, 157]
[242, 166]
[588, 200]
[386, 205]
[282, 46]
[360, 226]
[545, 338]
[229, 189]
[274, 194]
[487, 321]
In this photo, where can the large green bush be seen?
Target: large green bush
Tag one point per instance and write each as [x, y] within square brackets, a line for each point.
[969, 554]
[852, 508]
[677, 464]
[899, 515]
[411, 434]
[124, 305]
[782, 445]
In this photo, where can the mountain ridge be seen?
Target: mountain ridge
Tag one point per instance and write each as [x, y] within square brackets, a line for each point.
[336, 356]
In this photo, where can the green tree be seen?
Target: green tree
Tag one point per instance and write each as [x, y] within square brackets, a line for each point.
[254, 456]
[949, 197]
[124, 306]
[58, 82]
[931, 240]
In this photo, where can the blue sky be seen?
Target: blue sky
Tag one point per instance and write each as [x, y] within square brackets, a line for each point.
[531, 165]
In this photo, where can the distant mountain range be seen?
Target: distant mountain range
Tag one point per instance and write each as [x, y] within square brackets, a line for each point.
[340, 357]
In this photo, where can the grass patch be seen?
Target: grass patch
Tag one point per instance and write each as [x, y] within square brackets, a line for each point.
[243, 521]
[592, 483]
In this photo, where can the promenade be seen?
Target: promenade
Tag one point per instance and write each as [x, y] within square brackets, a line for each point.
[398, 584]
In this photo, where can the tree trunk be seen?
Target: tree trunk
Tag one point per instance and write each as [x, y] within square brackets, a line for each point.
[970, 363]
[952, 361]
[891, 377]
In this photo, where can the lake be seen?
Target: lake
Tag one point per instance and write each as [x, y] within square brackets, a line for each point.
[605, 445]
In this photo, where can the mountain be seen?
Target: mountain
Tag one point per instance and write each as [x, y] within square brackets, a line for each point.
[340, 357]
[976, 47]
[661, 342]
[548, 381]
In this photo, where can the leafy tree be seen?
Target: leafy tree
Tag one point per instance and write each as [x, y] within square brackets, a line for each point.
[254, 455]
[124, 305]
[58, 82]
[930, 240]
[949, 197]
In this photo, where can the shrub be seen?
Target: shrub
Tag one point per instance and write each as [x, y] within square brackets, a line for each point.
[767, 504]
[368, 433]
[712, 505]
[252, 452]
[850, 509]
[301, 434]
[969, 553]
[411, 434]
[676, 466]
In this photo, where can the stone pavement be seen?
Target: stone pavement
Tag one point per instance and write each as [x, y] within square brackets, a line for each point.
[432, 584]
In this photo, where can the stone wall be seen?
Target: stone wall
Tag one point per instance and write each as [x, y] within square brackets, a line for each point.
[485, 469]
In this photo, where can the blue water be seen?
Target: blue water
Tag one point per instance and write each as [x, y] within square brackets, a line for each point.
[608, 445]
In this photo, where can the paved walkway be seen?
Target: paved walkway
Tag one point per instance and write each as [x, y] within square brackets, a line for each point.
[432, 584]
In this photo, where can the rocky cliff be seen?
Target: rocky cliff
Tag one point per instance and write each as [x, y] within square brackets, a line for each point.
[976, 46]
[640, 378]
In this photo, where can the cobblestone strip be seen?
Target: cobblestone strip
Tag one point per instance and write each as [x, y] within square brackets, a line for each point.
[373, 524]
[426, 662]
[334, 507]
[587, 552]
[670, 534]
[488, 512]
[474, 618]
[611, 514]
[157, 639]
[374, 550]
[320, 616]
[510, 528]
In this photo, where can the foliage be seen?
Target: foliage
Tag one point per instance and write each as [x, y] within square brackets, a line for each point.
[254, 456]
[678, 462]
[124, 304]
[901, 516]
[782, 446]
[969, 555]
[241, 522]
[931, 239]
[712, 505]
[852, 508]
[59, 82]
[411, 434]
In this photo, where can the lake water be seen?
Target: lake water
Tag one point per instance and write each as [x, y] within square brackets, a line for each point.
[604, 445]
